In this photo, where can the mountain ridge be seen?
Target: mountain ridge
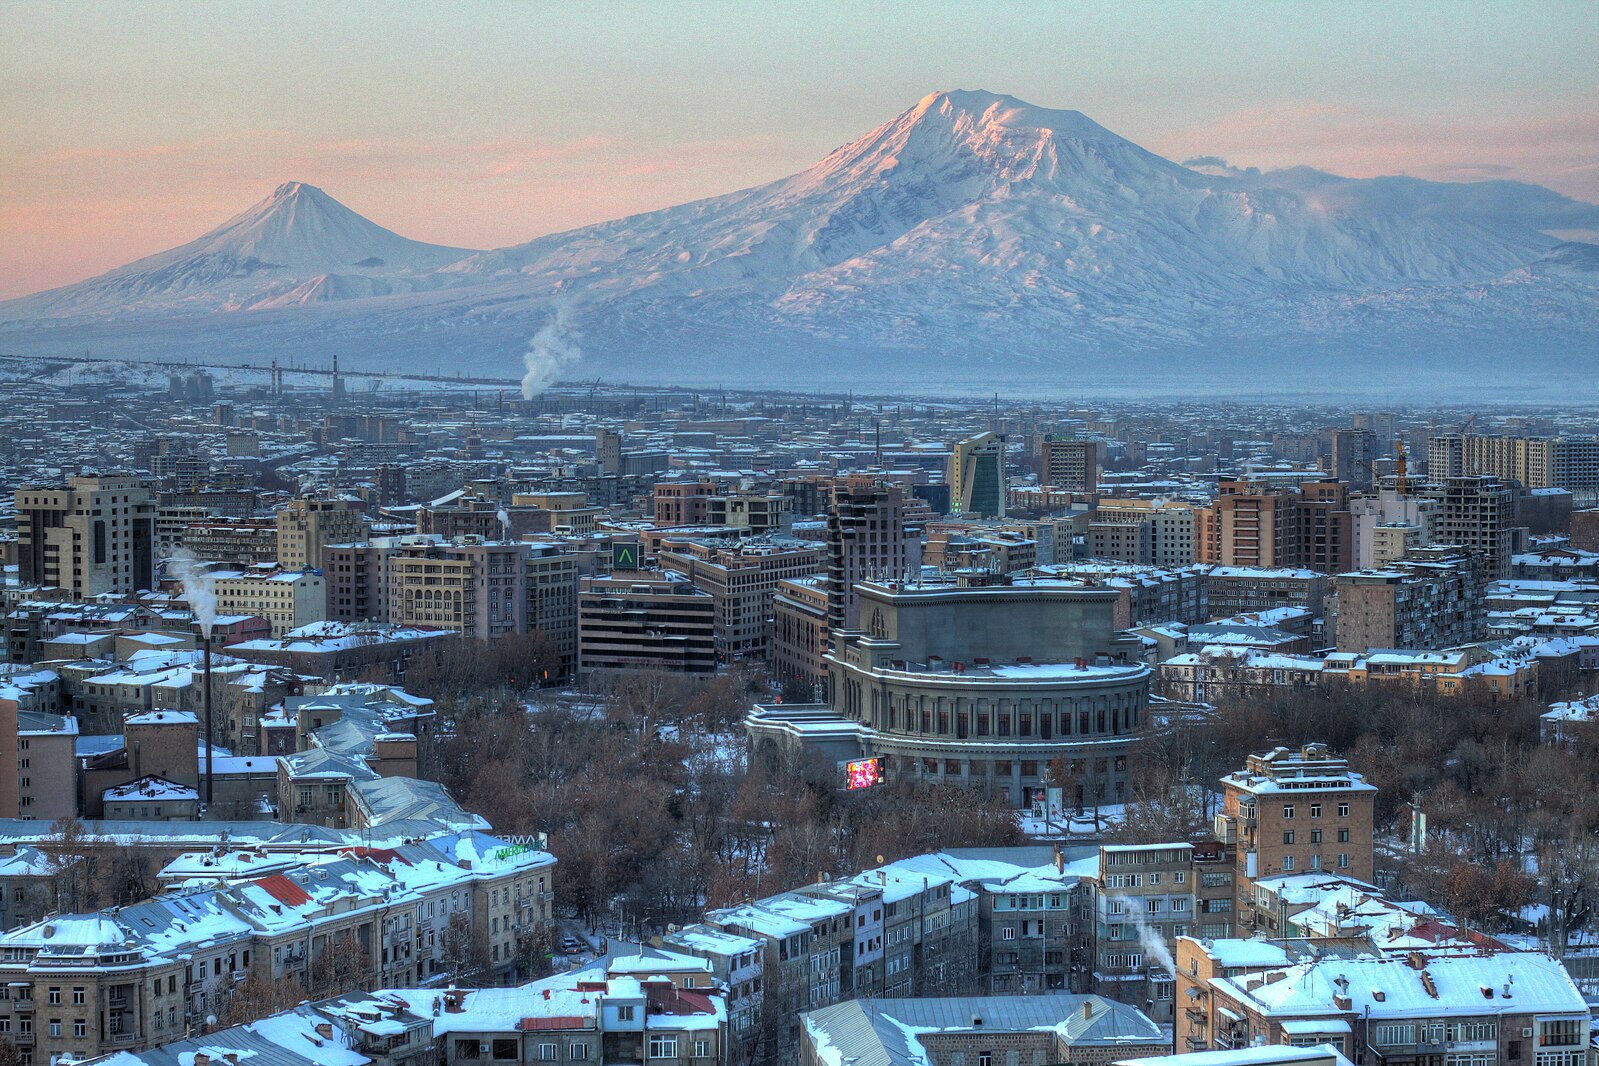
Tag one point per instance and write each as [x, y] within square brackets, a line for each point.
[972, 226]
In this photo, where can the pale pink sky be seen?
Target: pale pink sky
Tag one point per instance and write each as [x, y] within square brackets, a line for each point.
[128, 128]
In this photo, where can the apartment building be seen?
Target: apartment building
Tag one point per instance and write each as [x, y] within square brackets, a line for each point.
[1293, 811]
[1234, 590]
[1477, 514]
[136, 976]
[287, 599]
[306, 526]
[798, 645]
[93, 536]
[1254, 524]
[1406, 605]
[1511, 1008]
[742, 580]
[470, 586]
[1142, 900]
[872, 532]
[1070, 465]
[1169, 525]
[1533, 462]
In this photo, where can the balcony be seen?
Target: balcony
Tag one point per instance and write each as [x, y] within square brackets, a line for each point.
[1196, 1015]
[1197, 1043]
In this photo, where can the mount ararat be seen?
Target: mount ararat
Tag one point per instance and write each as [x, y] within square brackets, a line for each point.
[974, 241]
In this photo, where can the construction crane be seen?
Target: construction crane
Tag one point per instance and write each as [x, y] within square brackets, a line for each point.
[1402, 468]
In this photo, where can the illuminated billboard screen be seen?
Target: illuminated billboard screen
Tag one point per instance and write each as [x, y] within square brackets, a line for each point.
[863, 773]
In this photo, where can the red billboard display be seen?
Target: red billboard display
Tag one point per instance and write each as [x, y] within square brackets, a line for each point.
[863, 773]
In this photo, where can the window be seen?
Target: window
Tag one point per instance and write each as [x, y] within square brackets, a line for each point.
[578, 1051]
[624, 1013]
[1315, 810]
[1008, 933]
[55, 996]
[1288, 836]
[55, 1026]
[1343, 836]
[1179, 878]
[663, 1046]
[77, 996]
[702, 1049]
[546, 1052]
[1560, 1032]
[506, 1049]
[1288, 811]
[1343, 810]
[80, 1027]
[1343, 860]
[1288, 862]
[1315, 836]
[1392, 1035]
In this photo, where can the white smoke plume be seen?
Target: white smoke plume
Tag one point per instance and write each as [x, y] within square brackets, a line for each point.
[504, 518]
[1150, 940]
[551, 352]
[198, 588]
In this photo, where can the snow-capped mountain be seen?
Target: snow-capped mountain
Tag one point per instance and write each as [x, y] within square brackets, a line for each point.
[974, 235]
[297, 246]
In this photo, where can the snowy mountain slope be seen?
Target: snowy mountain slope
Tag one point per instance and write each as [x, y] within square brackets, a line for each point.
[973, 228]
[297, 245]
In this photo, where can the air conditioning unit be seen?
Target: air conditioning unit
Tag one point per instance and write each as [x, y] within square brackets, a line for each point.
[1526, 1032]
[482, 1049]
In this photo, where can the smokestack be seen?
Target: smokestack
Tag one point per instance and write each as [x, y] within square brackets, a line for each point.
[210, 778]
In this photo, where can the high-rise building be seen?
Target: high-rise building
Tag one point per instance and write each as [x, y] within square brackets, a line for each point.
[306, 526]
[1534, 462]
[93, 536]
[1353, 453]
[742, 579]
[976, 476]
[1252, 524]
[1071, 465]
[1478, 514]
[1406, 605]
[608, 450]
[870, 534]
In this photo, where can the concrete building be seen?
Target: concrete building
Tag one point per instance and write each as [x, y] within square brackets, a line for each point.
[645, 621]
[798, 649]
[1170, 525]
[742, 579]
[1233, 590]
[287, 599]
[1293, 811]
[1254, 524]
[1353, 453]
[1415, 605]
[39, 747]
[871, 534]
[1070, 465]
[93, 536]
[976, 476]
[306, 526]
[1477, 514]
[1533, 462]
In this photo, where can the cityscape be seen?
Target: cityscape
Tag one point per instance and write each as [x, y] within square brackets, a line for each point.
[1000, 595]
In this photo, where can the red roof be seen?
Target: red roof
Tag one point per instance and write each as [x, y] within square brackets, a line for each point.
[283, 890]
[556, 1022]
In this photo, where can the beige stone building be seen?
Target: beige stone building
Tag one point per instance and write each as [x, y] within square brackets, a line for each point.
[93, 536]
[306, 527]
